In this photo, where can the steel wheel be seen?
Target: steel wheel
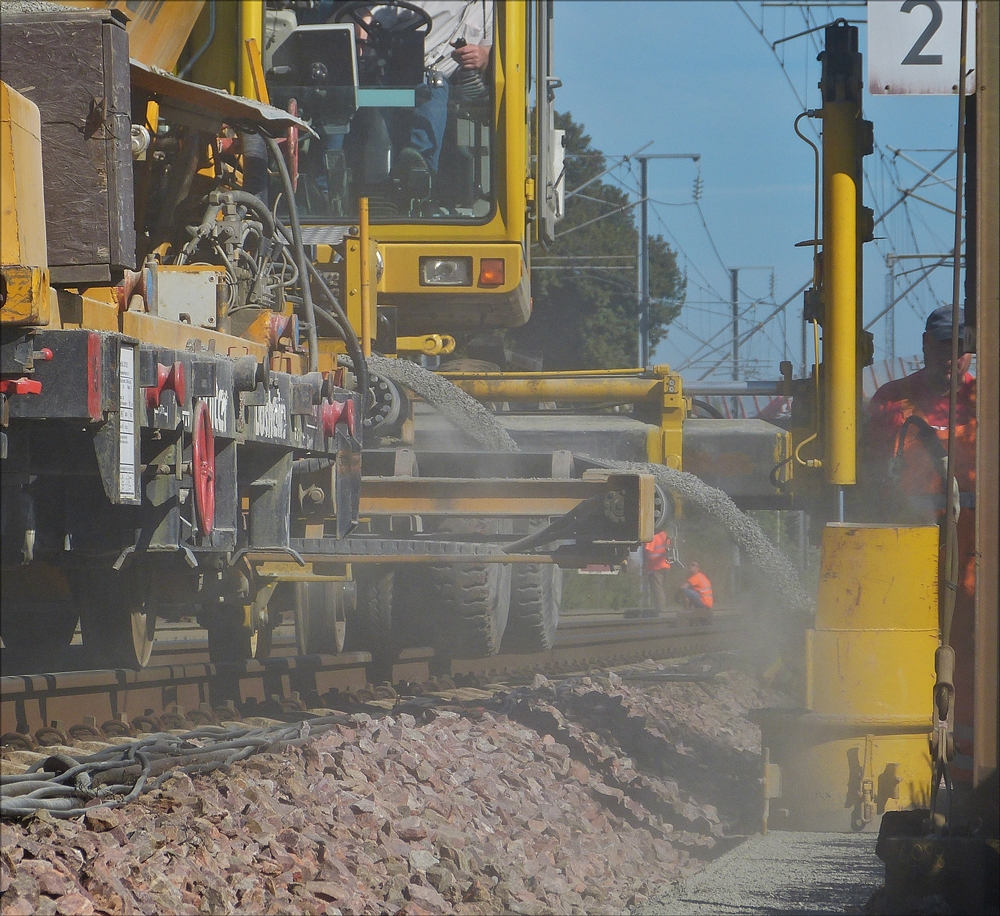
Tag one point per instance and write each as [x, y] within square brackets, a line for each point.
[321, 617]
[370, 621]
[233, 637]
[117, 620]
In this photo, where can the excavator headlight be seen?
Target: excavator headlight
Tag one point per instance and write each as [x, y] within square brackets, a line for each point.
[446, 271]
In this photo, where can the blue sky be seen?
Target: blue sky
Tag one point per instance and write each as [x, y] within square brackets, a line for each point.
[697, 77]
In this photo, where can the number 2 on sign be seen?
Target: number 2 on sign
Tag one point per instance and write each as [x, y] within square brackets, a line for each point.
[913, 56]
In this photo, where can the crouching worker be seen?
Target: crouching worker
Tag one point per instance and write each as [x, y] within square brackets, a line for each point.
[696, 593]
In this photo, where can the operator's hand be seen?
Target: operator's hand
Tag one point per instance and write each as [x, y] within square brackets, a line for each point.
[472, 57]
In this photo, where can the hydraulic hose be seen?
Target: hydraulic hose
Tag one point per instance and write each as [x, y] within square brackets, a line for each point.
[300, 254]
[338, 319]
[350, 338]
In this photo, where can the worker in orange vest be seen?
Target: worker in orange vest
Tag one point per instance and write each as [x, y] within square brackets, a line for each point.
[903, 446]
[656, 565]
[696, 592]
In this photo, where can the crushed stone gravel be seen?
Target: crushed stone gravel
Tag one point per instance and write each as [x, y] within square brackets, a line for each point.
[585, 795]
[780, 874]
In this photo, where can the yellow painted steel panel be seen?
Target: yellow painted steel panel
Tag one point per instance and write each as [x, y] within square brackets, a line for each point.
[27, 300]
[173, 334]
[878, 576]
[402, 265]
[824, 776]
[873, 672]
[22, 239]
[157, 32]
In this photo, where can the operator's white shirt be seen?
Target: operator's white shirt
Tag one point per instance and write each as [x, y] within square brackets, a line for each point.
[450, 20]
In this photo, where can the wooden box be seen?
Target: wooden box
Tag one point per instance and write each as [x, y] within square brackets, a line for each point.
[74, 66]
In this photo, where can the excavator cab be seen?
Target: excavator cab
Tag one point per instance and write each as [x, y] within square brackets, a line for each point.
[359, 82]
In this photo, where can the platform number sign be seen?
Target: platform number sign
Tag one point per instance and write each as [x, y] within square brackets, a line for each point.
[914, 47]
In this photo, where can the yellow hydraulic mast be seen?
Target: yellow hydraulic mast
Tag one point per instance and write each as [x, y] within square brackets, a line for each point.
[251, 27]
[846, 139]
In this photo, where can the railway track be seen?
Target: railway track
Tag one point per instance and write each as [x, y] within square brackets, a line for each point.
[181, 689]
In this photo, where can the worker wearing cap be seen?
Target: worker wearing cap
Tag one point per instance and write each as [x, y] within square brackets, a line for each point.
[904, 450]
[656, 565]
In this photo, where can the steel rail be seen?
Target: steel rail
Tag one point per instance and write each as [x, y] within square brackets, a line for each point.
[37, 706]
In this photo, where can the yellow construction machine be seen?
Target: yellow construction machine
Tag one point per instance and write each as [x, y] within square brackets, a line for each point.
[186, 338]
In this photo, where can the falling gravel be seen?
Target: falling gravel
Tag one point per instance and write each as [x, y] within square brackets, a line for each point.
[34, 6]
[470, 416]
[465, 412]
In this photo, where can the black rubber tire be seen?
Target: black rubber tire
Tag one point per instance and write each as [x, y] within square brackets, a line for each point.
[469, 606]
[117, 620]
[230, 640]
[320, 617]
[535, 598]
[370, 622]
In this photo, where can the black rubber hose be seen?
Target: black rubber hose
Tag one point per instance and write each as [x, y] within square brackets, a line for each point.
[300, 254]
[708, 408]
[339, 320]
[350, 338]
[255, 180]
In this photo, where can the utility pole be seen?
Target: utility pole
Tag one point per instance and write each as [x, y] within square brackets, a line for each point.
[644, 263]
[643, 284]
[734, 295]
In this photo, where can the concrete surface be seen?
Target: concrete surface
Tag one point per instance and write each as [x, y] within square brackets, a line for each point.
[780, 874]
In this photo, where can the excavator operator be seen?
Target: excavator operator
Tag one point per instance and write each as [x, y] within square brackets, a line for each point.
[904, 450]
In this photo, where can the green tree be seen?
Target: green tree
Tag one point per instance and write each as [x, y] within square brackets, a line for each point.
[585, 317]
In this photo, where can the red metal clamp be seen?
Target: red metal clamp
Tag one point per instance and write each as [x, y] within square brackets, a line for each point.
[329, 415]
[332, 412]
[203, 467]
[167, 378]
[22, 385]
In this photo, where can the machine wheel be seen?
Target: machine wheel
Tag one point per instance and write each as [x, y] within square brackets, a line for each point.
[117, 619]
[535, 597]
[470, 605]
[370, 621]
[38, 628]
[37, 612]
[231, 638]
[320, 617]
